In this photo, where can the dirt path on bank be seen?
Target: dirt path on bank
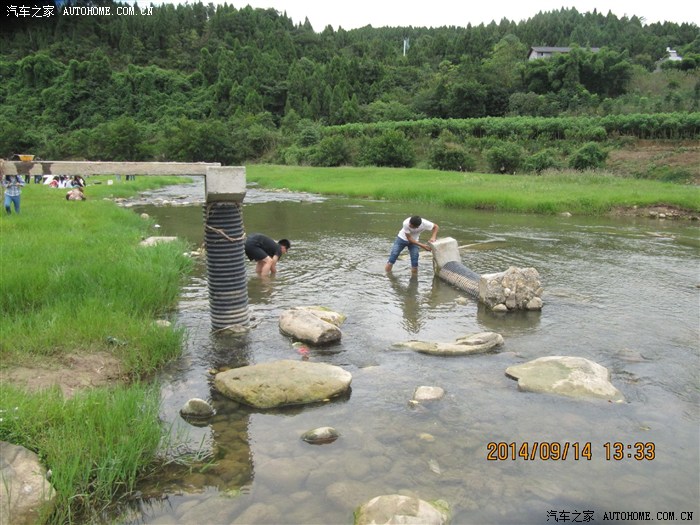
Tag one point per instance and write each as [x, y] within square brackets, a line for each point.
[70, 373]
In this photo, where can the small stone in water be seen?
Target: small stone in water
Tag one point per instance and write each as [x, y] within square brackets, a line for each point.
[321, 435]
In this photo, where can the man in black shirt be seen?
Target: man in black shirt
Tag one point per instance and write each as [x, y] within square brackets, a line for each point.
[265, 251]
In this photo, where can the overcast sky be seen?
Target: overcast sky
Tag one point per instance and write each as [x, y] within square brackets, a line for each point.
[351, 14]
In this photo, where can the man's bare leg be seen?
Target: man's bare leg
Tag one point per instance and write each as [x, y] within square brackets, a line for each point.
[263, 266]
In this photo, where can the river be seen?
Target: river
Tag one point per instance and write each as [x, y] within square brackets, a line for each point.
[622, 292]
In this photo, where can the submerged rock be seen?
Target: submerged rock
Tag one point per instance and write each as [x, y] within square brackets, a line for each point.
[395, 508]
[470, 344]
[282, 383]
[428, 393]
[567, 376]
[629, 355]
[321, 435]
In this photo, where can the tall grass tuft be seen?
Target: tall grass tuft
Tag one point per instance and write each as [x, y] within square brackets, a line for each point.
[96, 444]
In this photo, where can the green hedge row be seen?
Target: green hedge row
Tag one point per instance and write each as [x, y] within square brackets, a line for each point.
[657, 126]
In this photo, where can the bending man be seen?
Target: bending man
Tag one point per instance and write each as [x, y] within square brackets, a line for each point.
[266, 252]
[408, 237]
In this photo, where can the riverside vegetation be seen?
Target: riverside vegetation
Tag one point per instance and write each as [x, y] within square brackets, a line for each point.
[589, 192]
[215, 83]
[75, 281]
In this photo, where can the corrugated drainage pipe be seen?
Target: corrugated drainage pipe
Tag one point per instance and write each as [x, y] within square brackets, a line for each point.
[226, 267]
[462, 277]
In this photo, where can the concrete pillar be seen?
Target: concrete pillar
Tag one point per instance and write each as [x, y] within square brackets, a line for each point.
[444, 251]
[227, 278]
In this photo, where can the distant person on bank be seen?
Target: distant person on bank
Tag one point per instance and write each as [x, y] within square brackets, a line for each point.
[266, 252]
[408, 237]
[13, 189]
[76, 194]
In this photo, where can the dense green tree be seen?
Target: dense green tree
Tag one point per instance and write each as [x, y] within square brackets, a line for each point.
[203, 68]
[505, 64]
[122, 139]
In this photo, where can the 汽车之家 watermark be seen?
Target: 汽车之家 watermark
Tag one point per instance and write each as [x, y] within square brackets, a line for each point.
[31, 11]
[587, 516]
[45, 11]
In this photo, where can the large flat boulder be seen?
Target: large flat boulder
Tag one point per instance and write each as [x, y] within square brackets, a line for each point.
[567, 376]
[281, 383]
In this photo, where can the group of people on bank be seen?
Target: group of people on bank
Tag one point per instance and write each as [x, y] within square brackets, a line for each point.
[267, 252]
[12, 188]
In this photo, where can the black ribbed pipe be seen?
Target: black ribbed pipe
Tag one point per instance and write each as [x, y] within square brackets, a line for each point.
[462, 277]
[226, 268]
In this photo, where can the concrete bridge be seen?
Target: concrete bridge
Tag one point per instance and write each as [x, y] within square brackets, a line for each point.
[225, 188]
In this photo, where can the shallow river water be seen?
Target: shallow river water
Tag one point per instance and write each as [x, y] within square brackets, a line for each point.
[621, 292]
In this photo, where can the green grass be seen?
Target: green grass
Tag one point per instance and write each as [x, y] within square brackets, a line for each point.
[585, 193]
[73, 279]
[73, 275]
[96, 444]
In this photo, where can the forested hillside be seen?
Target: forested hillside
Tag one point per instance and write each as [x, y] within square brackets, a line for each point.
[201, 82]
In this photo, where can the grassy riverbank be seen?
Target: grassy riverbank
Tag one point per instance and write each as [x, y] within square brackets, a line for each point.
[574, 192]
[75, 278]
[75, 282]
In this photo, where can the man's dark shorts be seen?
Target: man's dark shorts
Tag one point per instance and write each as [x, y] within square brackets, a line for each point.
[255, 253]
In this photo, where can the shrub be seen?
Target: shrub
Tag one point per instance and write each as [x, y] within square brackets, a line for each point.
[391, 148]
[588, 156]
[505, 157]
[294, 155]
[677, 175]
[587, 133]
[540, 161]
[449, 156]
[309, 135]
[330, 152]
